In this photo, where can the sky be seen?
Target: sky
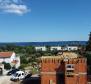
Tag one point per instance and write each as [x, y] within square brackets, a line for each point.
[44, 20]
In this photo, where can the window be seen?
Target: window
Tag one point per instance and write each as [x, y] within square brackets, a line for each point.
[69, 75]
[19, 75]
[74, 49]
[22, 73]
[69, 48]
[70, 66]
[70, 71]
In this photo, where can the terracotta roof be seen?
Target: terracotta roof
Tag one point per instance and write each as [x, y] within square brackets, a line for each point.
[5, 54]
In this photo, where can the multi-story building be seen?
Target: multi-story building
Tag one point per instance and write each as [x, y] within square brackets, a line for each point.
[63, 69]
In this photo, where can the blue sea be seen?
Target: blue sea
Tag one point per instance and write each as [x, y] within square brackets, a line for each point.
[53, 43]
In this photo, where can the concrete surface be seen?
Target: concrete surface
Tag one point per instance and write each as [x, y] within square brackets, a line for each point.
[6, 80]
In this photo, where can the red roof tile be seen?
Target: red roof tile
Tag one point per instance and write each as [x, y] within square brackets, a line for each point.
[5, 54]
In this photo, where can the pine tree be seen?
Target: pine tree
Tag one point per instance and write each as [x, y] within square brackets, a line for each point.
[88, 47]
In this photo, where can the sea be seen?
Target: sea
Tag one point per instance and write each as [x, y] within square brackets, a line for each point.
[52, 43]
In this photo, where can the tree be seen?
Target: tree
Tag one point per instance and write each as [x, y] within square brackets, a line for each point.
[48, 48]
[88, 54]
[55, 52]
[88, 47]
[23, 60]
[81, 50]
[7, 66]
[30, 49]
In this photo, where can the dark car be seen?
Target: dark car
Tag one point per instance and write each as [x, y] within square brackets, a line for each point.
[31, 80]
[13, 71]
[28, 76]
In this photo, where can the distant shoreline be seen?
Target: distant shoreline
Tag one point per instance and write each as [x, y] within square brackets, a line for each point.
[49, 43]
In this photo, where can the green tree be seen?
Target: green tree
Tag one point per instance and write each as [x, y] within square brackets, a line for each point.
[88, 47]
[48, 49]
[88, 54]
[30, 49]
[7, 66]
[55, 52]
[24, 60]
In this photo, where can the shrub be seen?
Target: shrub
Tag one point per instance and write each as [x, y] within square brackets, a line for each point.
[7, 66]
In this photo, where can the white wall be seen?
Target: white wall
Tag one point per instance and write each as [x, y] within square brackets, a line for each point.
[43, 48]
[7, 60]
[2, 66]
[72, 48]
[64, 48]
[13, 57]
[1, 60]
[56, 47]
[18, 63]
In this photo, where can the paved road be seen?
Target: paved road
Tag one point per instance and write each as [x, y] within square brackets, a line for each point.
[6, 80]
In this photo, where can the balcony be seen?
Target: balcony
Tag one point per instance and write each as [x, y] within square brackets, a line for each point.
[69, 68]
[69, 73]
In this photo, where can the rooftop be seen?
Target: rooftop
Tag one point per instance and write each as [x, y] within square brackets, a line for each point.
[5, 54]
[64, 55]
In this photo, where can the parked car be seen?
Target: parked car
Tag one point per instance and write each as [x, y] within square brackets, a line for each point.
[19, 75]
[28, 76]
[13, 71]
[31, 80]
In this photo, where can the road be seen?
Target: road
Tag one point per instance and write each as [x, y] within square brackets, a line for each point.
[6, 80]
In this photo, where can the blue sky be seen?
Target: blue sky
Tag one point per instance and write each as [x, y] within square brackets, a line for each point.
[45, 20]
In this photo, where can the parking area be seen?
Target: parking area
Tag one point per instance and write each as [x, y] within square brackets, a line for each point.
[34, 79]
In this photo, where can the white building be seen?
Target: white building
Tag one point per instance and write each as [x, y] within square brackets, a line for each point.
[64, 48]
[72, 48]
[1, 69]
[40, 48]
[9, 57]
[56, 47]
[16, 62]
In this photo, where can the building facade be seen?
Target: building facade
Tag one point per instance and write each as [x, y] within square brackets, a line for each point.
[40, 48]
[1, 69]
[58, 48]
[57, 70]
[55, 48]
[10, 57]
[7, 57]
